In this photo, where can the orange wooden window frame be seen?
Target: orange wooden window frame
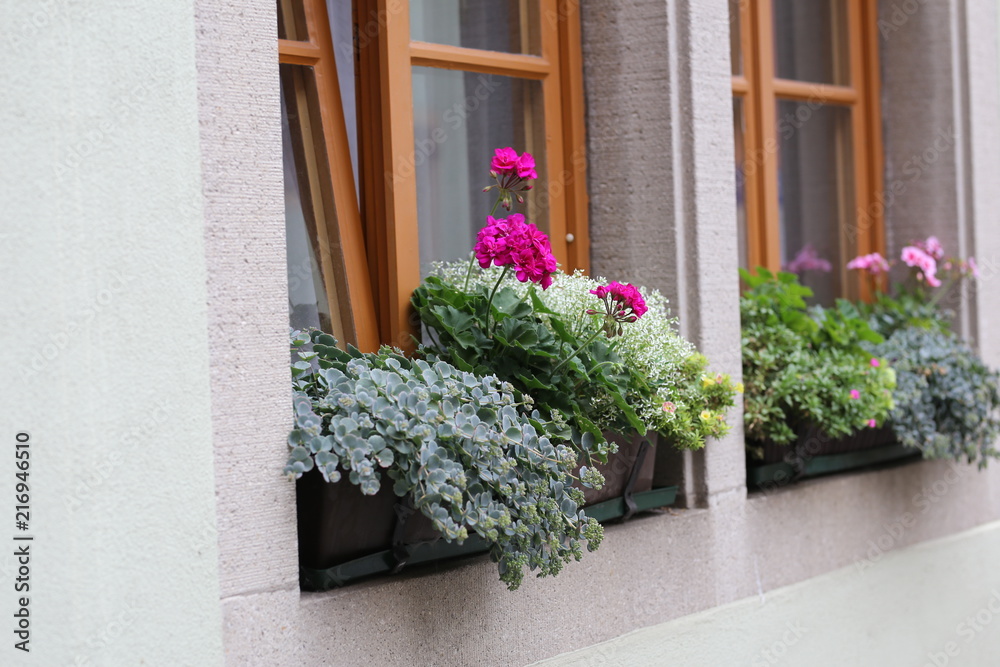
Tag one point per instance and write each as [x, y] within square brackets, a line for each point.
[314, 49]
[759, 89]
[386, 99]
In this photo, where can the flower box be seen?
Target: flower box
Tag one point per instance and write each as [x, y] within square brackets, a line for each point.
[815, 454]
[345, 536]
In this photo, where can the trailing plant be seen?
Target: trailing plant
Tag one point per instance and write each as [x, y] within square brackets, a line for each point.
[947, 401]
[805, 366]
[469, 451]
[946, 397]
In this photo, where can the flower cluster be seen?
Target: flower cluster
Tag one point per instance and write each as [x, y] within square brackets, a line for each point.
[916, 257]
[926, 256]
[512, 242]
[511, 173]
[873, 263]
[807, 260]
[622, 304]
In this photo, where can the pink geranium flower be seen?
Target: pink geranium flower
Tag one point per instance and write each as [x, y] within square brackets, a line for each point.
[932, 247]
[855, 394]
[511, 172]
[872, 423]
[515, 243]
[504, 161]
[925, 264]
[973, 267]
[526, 166]
[873, 263]
[807, 260]
[622, 304]
[875, 362]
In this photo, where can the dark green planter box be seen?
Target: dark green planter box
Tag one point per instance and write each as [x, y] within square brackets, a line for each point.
[385, 562]
[345, 536]
[815, 454]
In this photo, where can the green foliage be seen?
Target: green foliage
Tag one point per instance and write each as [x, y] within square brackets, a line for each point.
[463, 447]
[800, 365]
[946, 398]
[888, 314]
[661, 374]
[509, 339]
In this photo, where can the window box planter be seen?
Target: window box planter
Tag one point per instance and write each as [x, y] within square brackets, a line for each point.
[815, 454]
[345, 536]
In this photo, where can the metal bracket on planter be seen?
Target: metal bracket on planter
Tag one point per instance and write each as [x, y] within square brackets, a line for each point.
[400, 552]
[630, 506]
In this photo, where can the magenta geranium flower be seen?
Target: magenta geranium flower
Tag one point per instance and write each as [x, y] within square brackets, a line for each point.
[855, 394]
[504, 161]
[526, 166]
[518, 244]
[511, 173]
[622, 304]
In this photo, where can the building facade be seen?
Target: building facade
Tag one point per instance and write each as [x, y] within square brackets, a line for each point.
[146, 247]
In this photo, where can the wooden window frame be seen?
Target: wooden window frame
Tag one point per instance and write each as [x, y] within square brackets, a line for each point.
[759, 89]
[316, 52]
[389, 203]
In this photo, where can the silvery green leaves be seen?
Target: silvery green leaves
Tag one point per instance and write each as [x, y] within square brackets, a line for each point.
[947, 400]
[463, 447]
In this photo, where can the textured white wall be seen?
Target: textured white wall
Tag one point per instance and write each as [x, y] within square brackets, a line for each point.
[104, 344]
[935, 604]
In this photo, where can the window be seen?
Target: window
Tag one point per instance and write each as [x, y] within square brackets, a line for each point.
[390, 109]
[808, 137]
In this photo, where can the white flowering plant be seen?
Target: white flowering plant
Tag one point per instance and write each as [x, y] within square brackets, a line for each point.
[669, 390]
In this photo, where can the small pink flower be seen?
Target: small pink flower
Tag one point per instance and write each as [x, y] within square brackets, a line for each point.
[622, 304]
[669, 407]
[973, 267]
[504, 161]
[875, 363]
[807, 260]
[872, 423]
[855, 394]
[932, 247]
[873, 263]
[526, 166]
[926, 265]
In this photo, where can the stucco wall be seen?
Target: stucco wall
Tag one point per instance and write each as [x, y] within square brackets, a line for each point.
[105, 352]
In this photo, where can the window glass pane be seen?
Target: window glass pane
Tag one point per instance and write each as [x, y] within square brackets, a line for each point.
[459, 118]
[511, 26]
[735, 42]
[292, 21]
[810, 41]
[739, 132]
[315, 269]
[341, 32]
[814, 194]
